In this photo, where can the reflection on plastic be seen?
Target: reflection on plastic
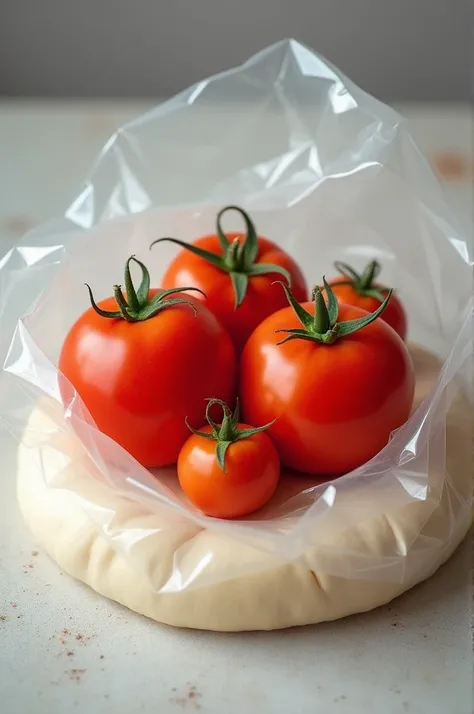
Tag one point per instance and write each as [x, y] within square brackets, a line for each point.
[326, 171]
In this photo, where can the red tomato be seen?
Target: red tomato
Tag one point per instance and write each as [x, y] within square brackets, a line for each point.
[238, 282]
[140, 379]
[336, 393]
[236, 483]
[350, 288]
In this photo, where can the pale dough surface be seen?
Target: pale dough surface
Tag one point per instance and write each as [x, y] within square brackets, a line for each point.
[407, 543]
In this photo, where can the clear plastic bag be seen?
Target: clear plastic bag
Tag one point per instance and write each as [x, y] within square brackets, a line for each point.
[327, 172]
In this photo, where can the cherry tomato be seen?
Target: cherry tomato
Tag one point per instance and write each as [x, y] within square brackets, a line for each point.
[337, 380]
[231, 470]
[141, 367]
[236, 273]
[350, 288]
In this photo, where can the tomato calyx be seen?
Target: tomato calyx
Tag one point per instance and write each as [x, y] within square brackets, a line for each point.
[238, 257]
[362, 283]
[323, 327]
[137, 307]
[228, 431]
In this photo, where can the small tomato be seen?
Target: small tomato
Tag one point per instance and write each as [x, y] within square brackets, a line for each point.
[350, 288]
[144, 362]
[237, 274]
[230, 470]
[337, 385]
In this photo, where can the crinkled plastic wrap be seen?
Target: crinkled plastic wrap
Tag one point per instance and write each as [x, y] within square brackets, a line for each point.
[327, 172]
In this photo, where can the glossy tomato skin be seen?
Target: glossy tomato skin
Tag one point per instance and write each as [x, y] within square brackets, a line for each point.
[250, 479]
[262, 298]
[335, 405]
[394, 314]
[141, 380]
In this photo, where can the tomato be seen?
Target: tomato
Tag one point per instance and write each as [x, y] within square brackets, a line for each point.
[350, 288]
[231, 470]
[141, 371]
[236, 273]
[338, 383]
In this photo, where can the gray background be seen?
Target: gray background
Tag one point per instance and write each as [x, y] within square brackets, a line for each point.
[395, 49]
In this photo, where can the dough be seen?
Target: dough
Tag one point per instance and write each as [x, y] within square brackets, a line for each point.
[344, 570]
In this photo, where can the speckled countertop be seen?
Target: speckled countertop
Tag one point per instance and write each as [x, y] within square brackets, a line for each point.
[66, 649]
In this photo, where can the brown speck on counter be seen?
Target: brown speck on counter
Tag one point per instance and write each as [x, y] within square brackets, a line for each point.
[84, 638]
[75, 674]
[191, 697]
[34, 553]
[3, 618]
[453, 166]
[18, 224]
[64, 638]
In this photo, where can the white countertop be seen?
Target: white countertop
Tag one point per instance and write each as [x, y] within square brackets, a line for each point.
[66, 649]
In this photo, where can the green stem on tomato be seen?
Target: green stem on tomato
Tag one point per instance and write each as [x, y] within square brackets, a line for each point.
[362, 283]
[136, 307]
[237, 258]
[323, 327]
[227, 432]
[321, 322]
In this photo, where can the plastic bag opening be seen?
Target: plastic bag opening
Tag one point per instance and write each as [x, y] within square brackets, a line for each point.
[327, 172]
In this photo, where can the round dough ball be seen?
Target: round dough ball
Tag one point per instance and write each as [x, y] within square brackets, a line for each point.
[157, 563]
